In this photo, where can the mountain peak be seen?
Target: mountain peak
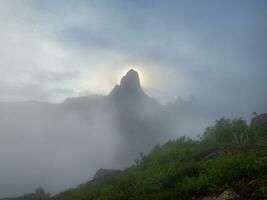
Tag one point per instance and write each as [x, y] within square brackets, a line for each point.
[131, 80]
[129, 86]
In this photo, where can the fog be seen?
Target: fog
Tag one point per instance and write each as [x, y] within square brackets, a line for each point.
[58, 146]
[62, 116]
[48, 146]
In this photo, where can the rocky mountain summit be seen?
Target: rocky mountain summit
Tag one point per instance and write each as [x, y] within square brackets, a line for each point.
[131, 81]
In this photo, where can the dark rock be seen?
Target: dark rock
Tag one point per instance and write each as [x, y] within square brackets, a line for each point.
[213, 154]
[131, 81]
[104, 173]
[129, 87]
[259, 120]
[228, 195]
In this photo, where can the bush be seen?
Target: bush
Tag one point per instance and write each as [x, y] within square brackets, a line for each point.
[179, 170]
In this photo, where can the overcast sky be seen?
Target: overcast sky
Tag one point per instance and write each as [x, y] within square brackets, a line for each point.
[214, 50]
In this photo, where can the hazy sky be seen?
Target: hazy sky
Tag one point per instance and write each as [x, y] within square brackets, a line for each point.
[214, 50]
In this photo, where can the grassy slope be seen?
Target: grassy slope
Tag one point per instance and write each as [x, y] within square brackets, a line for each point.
[180, 170]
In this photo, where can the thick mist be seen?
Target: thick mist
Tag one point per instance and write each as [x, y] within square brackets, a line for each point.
[58, 146]
[50, 146]
[64, 110]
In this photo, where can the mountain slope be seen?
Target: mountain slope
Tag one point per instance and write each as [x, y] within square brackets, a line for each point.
[190, 169]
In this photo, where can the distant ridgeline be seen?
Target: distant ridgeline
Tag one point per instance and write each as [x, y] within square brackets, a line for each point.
[38, 195]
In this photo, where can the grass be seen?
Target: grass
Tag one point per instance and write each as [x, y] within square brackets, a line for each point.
[180, 170]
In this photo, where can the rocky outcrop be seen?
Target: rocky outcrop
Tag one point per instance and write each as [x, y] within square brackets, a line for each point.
[131, 81]
[214, 153]
[102, 175]
[105, 173]
[130, 87]
[259, 120]
[226, 195]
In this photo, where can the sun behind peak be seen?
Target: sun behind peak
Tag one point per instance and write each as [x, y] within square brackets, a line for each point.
[132, 74]
[131, 80]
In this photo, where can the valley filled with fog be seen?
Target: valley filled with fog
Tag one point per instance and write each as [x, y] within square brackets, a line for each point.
[58, 146]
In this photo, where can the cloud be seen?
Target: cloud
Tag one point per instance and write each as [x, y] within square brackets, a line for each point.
[51, 50]
[185, 47]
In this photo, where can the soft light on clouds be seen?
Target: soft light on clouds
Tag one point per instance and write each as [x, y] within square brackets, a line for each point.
[211, 50]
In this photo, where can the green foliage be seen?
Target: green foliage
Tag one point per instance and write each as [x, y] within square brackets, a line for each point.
[226, 131]
[257, 134]
[264, 191]
[180, 169]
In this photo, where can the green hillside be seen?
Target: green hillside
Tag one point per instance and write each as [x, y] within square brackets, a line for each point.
[229, 158]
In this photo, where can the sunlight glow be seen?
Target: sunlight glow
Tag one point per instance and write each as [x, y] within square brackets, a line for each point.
[142, 75]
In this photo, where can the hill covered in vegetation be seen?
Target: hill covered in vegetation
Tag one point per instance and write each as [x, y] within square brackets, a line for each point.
[229, 161]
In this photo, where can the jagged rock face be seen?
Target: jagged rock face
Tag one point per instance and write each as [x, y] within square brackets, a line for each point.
[131, 81]
[129, 97]
[259, 120]
[226, 195]
[129, 88]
